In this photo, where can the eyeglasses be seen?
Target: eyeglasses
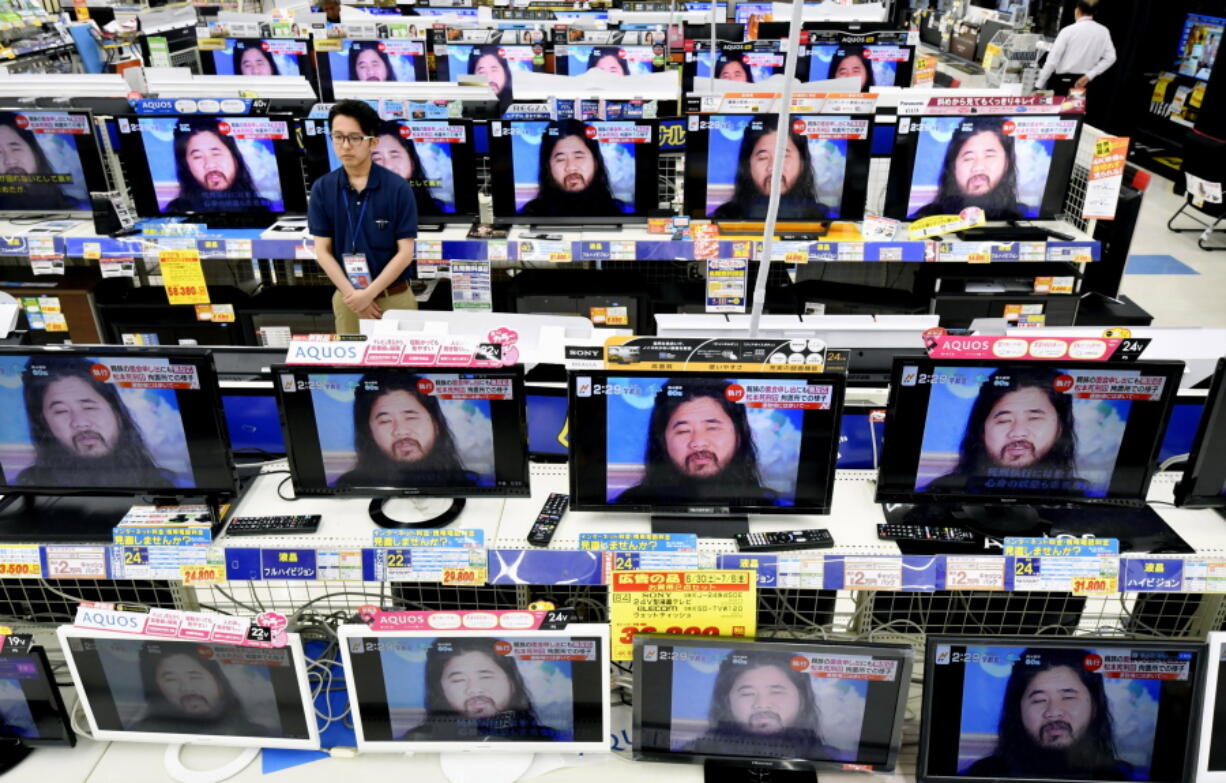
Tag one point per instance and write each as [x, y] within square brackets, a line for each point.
[353, 139]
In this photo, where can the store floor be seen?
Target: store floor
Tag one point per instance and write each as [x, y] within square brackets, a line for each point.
[1167, 273]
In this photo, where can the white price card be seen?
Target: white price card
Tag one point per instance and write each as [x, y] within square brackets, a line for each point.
[872, 573]
[20, 561]
[800, 570]
[974, 573]
[623, 250]
[342, 565]
[76, 562]
[1204, 576]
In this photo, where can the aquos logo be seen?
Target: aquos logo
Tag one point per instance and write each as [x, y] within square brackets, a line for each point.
[308, 352]
[117, 620]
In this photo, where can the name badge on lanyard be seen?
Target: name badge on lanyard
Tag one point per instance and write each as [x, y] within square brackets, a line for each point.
[357, 269]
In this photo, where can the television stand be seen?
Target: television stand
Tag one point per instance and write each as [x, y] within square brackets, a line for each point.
[701, 525]
[430, 512]
[545, 228]
[431, 227]
[1009, 233]
[758, 771]
[12, 753]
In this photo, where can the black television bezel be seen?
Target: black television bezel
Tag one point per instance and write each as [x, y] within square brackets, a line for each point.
[89, 152]
[582, 442]
[1208, 448]
[195, 427]
[906, 657]
[906, 146]
[302, 435]
[463, 165]
[546, 457]
[306, 62]
[1076, 642]
[323, 65]
[502, 185]
[855, 178]
[896, 432]
[144, 193]
[50, 712]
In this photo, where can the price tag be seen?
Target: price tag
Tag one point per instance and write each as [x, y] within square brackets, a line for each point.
[974, 573]
[92, 251]
[693, 603]
[207, 574]
[76, 562]
[20, 561]
[464, 576]
[872, 573]
[183, 277]
[1095, 585]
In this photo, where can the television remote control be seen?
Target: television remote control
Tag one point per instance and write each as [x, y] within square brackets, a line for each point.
[547, 521]
[273, 526]
[778, 542]
[933, 534]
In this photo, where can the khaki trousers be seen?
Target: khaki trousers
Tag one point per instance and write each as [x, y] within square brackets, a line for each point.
[347, 320]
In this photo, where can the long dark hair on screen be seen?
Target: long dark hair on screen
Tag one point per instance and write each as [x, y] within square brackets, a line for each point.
[36, 195]
[427, 204]
[838, 59]
[242, 193]
[156, 703]
[748, 202]
[597, 200]
[600, 52]
[728, 58]
[445, 649]
[242, 47]
[504, 95]
[1002, 201]
[357, 47]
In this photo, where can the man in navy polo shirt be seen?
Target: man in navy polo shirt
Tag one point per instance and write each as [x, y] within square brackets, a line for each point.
[364, 219]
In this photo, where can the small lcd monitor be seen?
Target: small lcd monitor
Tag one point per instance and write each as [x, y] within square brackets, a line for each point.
[32, 713]
[385, 60]
[479, 691]
[262, 57]
[384, 432]
[51, 161]
[1014, 167]
[499, 63]
[629, 60]
[703, 443]
[728, 167]
[547, 426]
[724, 31]
[253, 421]
[435, 156]
[875, 65]
[763, 11]
[1204, 480]
[1199, 43]
[137, 688]
[564, 172]
[1211, 756]
[797, 705]
[749, 62]
[227, 170]
[1013, 709]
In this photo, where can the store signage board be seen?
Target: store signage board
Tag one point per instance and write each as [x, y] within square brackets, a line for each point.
[981, 105]
[265, 630]
[693, 354]
[693, 603]
[467, 620]
[1082, 349]
[396, 350]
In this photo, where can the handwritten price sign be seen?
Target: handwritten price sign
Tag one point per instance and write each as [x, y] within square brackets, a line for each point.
[690, 603]
[183, 277]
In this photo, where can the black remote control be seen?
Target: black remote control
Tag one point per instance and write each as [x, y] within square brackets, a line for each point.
[779, 542]
[273, 526]
[548, 520]
[928, 533]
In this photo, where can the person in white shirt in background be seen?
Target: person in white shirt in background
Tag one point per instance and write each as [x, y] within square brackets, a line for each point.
[1082, 51]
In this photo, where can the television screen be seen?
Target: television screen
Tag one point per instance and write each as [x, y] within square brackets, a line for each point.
[31, 710]
[50, 161]
[763, 11]
[253, 422]
[483, 690]
[98, 418]
[145, 689]
[435, 156]
[386, 60]
[750, 62]
[874, 66]
[208, 165]
[1198, 45]
[712, 699]
[574, 171]
[728, 166]
[614, 59]
[497, 62]
[1204, 479]
[1211, 762]
[547, 436]
[1030, 709]
[259, 57]
[1040, 429]
[398, 431]
[1013, 167]
[764, 442]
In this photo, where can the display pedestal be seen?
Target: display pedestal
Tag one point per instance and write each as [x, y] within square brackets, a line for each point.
[12, 753]
[78, 518]
[484, 768]
[178, 772]
[714, 526]
[721, 771]
[421, 512]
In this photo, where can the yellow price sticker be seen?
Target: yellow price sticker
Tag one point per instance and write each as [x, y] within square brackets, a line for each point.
[978, 258]
[202, 574]
[690, 603]
[210, 44]
[464, 576]
[560, 257]
[183, 277]
[19, 570]
[1095, 585]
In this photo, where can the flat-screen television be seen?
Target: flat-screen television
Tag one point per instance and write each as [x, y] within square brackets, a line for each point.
[724, 31]
[253, 420]
[435, 156]
[392, 431]
[1199, 43]
[31, 710]
[492, 691]
[497, 62]
[748, 61]
[800, 705]
[703, 442]
[623, 60]
[1035, 709]
[764, 12]
[229, 169]
[1204, 479]
[971, 430]
[50, 161]
[1211, 755]
[262, 57]
[728, 166]
[547, 427]
[1014, 167]
[574, 171]
[137, 688]
[875, 65]
[383, 60]
[112, 420]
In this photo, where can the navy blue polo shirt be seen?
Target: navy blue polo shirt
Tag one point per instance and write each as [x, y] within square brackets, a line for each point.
[387, 212]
